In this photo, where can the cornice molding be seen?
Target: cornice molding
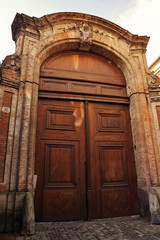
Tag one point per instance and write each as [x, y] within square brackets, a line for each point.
[32, 26]
[24, 25]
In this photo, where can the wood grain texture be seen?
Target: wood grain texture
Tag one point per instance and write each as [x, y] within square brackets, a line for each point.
[84, 154]
[112, 171]
[60, 158]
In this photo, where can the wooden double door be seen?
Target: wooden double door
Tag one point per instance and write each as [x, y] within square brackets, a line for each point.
[84, 161]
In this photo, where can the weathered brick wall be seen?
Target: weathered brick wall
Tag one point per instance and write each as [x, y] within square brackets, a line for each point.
[4, 125]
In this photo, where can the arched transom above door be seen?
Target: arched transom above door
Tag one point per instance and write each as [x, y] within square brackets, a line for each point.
[82, 73]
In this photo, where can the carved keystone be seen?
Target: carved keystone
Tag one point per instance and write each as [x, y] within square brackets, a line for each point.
[86, 34]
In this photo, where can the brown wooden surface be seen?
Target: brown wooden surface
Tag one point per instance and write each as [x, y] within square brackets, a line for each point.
[83, 97]
[84, 154]
[112, 177]
[61, 188]
[63, 85]
[81, 73]
[82, 66]
[60, 157]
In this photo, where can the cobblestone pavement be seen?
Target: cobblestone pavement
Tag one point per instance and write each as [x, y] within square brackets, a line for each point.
[112, 229]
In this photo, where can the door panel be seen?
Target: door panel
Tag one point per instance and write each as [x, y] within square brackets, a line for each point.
[60, 161]
[61, 195]
[114, 203]
[109, 122]
[112, 173]
[61, 157]
[113, 167]
[114, 192]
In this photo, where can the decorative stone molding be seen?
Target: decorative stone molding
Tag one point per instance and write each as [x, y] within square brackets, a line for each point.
[6, 109]
[15, 62]
[86, 35]
[37, 27]
[10, 71]
[152, 80]
[24, 25]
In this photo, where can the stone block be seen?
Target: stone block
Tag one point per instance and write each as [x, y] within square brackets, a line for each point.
[143, 201]
[28, 223]
[10, 212]
[3, 201]
[154, 204]
[19, 203]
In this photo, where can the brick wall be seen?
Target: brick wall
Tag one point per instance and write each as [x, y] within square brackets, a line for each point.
[4, 125]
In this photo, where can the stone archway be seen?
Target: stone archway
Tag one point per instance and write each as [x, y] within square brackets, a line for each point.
[38, 38]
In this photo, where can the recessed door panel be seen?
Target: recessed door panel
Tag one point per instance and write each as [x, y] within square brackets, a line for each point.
[112, 178]
[113, 167]
[60, 158]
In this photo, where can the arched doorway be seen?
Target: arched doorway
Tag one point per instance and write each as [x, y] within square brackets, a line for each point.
[84, 153]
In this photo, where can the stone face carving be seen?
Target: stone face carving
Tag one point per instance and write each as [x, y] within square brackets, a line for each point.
[86, 34]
